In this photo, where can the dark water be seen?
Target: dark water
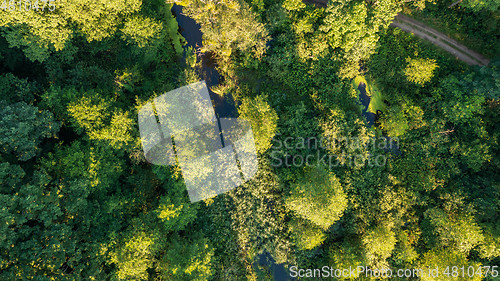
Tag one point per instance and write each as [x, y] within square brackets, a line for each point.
[190, 30]
[280, 273]
[371, 119]
[365, 101]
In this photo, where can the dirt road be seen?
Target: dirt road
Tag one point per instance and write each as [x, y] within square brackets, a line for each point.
[439, 39]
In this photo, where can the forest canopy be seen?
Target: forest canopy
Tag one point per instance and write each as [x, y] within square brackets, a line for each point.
[375, 147]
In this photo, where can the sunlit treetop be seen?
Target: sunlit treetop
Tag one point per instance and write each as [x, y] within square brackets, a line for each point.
[37, 31]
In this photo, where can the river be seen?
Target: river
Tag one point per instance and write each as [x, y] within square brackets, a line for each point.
[224, 107]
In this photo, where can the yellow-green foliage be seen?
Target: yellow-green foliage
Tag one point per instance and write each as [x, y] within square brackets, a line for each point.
[405, 250]
[349, 254]
[175, 215]
[379, 244]
[191, 57]
[228, 26]
[134, 258]
[263, 119]
[293, 5]
[37, 31]
[458, 231]
[91, 114]
[141, 30]
[187, 260]
[445, 260]
[317, 196]
[306, 235]
[491, 245]
[420, 70]
[402, 118]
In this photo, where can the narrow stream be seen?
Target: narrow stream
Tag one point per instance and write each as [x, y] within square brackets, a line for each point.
[224, 107]
[365, 101]
[190, 30]
[371, 119]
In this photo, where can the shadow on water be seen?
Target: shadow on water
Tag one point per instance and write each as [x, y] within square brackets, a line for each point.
[365, 101]
[190, 30]
[279, 272]
[372, 119]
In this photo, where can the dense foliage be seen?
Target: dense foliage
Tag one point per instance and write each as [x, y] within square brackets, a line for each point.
[418, 189]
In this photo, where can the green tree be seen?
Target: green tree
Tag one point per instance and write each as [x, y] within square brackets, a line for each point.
[14, 89]
[141, 30]
[91, 114]
[99, 165]
[174, 210]
[187, 259]
[443, 260]
[37, 33]
[455, 229]
[478, 5]
[353, 26]
[397, 120]
[345, 135]
[317, 196]
[293, 5]
[405, 250]
[490, 248]
[134, 257]
[228, 27]
[258, 218]
[463, 96]
[306, 234]
[262, 118]
[39, 239]
[348, 254]
[379, 244]
[23, 127]
[420, 70]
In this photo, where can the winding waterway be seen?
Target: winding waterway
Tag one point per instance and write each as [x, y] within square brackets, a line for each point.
[224, 107]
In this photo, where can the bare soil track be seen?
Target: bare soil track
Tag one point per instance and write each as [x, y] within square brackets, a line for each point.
[439, 39]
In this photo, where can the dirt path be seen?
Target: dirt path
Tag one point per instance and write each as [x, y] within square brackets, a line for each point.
[439, 39]
[427, 33]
